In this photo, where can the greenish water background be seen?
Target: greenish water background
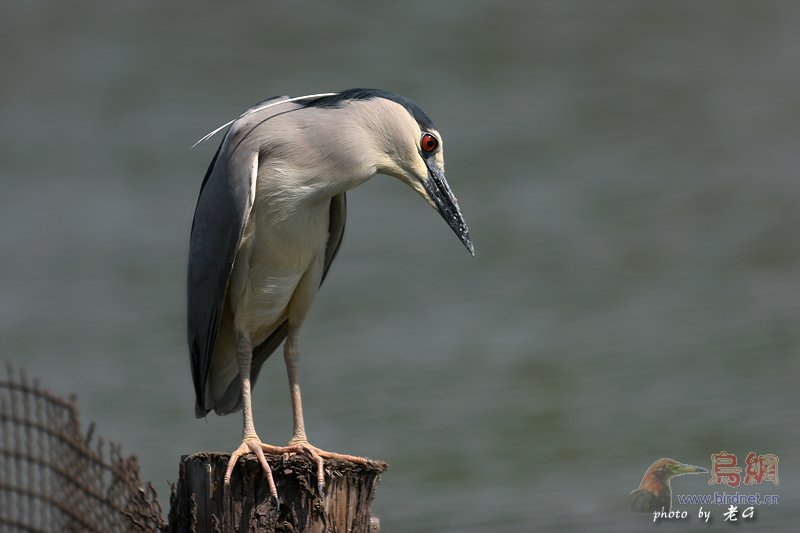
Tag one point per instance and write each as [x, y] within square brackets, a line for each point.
[629, 171]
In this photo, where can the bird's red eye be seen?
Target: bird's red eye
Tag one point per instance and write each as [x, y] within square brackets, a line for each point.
[428, 143]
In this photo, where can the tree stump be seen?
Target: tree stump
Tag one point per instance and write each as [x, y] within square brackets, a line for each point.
[199, 503]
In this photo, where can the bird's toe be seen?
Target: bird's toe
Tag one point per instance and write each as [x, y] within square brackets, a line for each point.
[255, 446]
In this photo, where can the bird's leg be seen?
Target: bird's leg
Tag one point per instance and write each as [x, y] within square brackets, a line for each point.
[291, 354]
[245, 359]
[299, 441]
[250, 441]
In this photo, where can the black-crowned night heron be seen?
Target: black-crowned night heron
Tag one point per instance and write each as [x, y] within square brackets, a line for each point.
[268, 223]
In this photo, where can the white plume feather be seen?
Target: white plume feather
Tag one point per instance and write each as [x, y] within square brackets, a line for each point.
[207, 136]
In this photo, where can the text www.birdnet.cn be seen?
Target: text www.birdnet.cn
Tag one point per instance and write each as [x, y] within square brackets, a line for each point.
[723, 498]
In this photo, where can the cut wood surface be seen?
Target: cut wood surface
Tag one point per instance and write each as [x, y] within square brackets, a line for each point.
[199, 503]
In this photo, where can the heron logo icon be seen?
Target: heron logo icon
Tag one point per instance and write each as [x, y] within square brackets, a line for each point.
[654, 493]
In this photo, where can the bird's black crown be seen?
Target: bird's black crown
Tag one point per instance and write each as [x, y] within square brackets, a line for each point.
[338, 99]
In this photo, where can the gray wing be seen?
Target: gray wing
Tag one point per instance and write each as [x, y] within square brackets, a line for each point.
[335, 231]
[335, 234]
[219, 218]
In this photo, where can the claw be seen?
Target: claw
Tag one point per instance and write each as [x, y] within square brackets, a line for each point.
[254, 445]
[276, 501]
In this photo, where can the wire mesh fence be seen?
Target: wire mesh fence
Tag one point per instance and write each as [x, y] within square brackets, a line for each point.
[54, 478]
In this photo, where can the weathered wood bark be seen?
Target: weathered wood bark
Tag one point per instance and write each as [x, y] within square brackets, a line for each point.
[199, 503]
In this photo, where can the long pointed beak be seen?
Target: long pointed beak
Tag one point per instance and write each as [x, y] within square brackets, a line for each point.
[689, 469]
[446, 203]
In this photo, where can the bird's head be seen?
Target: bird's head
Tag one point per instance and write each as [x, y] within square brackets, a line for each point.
[665, 469]
[401, 141]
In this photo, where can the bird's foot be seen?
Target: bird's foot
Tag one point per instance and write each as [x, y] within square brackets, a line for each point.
[255, 446]
[317, 455]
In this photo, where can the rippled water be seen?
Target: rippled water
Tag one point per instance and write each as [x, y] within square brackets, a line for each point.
[629, 173]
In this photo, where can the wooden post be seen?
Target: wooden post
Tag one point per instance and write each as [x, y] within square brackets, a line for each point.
[199, 504]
